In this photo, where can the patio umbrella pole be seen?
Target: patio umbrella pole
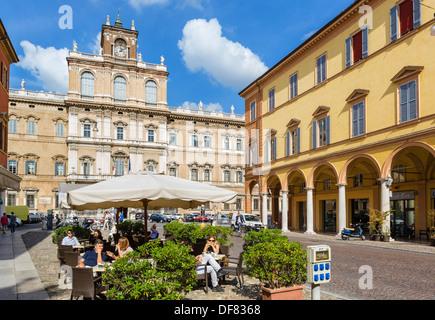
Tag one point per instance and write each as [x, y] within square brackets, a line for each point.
[145, 217]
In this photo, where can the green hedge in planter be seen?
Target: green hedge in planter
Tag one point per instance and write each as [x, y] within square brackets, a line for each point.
[131, 228]
[193, 232]
[277, 263]
[173, 276]
[78, 231]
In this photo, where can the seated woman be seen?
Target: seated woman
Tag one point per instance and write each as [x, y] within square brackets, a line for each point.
[97, 235]
[212, 246]
[123, 247]
[154, 233]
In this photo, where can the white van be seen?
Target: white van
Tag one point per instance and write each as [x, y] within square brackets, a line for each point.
[252, 221]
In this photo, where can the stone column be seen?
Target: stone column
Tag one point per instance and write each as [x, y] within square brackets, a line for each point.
[341, 207]
[264, 208]
[310, 211]
[284, 194]
[385, 201]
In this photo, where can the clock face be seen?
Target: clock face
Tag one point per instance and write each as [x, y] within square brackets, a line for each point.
[120, 48]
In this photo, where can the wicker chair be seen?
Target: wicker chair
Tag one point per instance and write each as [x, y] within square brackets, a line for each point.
[235, 267]
[61, 253]
[84, 284]
[203, 276]
[71, 258]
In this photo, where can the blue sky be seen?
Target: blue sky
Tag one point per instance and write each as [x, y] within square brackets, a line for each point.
[213, 48]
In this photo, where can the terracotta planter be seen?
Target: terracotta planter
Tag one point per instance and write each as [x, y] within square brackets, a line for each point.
[290, 293]
[376, 237]
[386, 238]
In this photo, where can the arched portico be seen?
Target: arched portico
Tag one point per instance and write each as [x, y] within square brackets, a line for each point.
[412, 169]
[274, 186]
[297, 199]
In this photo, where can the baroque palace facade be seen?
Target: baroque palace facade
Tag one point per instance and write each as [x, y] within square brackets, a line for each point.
[115, 120]
[345, 123]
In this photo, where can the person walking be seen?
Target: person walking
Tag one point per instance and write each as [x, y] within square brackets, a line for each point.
[12, 222]
[106, 221]
[4, 222]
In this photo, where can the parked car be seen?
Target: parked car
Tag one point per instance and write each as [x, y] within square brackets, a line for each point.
[168, 217]
[33, 217]
[201, 219]
[139, 215]
[191, 217]
[18, 221]
[252, 221]
[210, 216]
[177, 217]
[222, 220]
[155, 217]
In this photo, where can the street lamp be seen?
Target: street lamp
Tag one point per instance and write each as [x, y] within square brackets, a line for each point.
[432, 31]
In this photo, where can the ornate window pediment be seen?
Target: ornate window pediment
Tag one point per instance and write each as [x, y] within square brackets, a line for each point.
[357, 94]
[60, 120]
[120, 123]
[293, 123]
[86, 159]
[407, 72]
[321, 112]
[59, 158]
[31, 157]
[87, 120]
[31, 117]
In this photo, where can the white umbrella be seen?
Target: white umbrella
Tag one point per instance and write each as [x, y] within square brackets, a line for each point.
[149, 191]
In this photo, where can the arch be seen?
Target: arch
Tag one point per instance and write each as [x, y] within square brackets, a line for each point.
[295, 171]
[273, 180]
[252, 185]
[344, 170]
[120, 88]
[310, 180]
[151, 91]
[389, 161]
[87, 70]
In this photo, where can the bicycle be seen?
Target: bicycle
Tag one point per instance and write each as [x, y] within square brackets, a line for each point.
[242, 231]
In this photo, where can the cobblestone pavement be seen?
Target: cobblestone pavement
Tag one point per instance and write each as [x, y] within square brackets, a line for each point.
[44, 256]
[401, 270]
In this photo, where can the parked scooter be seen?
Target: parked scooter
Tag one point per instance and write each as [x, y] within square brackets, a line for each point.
[356, 232]
[87, 223]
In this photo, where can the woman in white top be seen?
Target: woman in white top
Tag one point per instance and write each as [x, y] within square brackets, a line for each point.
[123, 248]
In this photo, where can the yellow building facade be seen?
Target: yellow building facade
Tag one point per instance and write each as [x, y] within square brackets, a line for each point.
[345, 123]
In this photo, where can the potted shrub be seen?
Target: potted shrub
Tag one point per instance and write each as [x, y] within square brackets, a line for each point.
[193, 233]
[133, 277]
[377, 224]
[280, 265]
[78, 231]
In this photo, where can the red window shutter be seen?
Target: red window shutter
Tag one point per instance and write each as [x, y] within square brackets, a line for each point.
[357, 46]
[406, 10]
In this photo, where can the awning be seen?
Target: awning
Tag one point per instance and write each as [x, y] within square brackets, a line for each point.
[9, 180]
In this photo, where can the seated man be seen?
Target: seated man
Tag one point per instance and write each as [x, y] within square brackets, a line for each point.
[93, 257]
[70, 240]
[213, 268]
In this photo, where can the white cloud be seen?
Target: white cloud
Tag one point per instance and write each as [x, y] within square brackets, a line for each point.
[308, 35]
[229, 63]
[138, 4]
[95, 46]
[216, 107]
[48, 65]
[196, 4]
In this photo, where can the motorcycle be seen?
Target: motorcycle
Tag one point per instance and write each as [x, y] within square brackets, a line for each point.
[87, 223]
[356, 232]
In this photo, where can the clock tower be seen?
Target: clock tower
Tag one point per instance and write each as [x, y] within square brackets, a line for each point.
[118, 42]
